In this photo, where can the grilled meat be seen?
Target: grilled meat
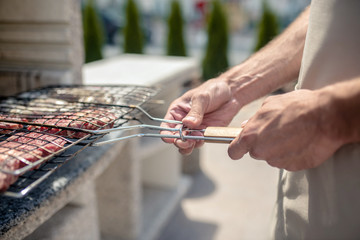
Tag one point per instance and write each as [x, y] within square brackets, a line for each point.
[45, 143]
[23, 149]
[8, 163]
[90, 119]
[6, 127]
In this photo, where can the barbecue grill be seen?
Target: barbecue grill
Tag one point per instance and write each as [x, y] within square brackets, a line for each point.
[43, 46]
[66, 114]
[41, 125]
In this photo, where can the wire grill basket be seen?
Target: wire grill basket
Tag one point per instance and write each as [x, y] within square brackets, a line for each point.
[38, 128]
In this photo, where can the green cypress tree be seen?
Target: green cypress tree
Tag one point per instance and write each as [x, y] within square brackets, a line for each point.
[216, 59]
[93, 33]
[268, 27]
[133, 36]
[175, 40]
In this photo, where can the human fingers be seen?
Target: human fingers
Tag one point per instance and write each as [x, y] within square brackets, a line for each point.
[198, 143]
[184, 144]
[237, 148]
[177, 111]
[243, 143]
[186, 151]
[169, 133]
[199, 103]
[187, 146]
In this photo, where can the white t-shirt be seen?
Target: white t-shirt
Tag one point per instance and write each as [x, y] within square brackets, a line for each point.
[324, 203]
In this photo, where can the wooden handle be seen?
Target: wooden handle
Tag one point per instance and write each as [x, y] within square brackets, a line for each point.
[224, 132]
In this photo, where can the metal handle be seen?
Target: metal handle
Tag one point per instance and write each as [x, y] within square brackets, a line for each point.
[221, 132]
[211, 134]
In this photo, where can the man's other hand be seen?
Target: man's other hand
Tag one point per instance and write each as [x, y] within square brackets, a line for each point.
[290, 131]
[210, 104]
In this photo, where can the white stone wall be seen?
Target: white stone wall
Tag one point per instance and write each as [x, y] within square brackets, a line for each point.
[41, 38]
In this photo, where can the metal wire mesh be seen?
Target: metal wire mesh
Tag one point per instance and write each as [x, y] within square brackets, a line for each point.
[119, 94]
[39, 125]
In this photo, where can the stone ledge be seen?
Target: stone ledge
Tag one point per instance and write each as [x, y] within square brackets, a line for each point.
[20, 217]
[159, 205]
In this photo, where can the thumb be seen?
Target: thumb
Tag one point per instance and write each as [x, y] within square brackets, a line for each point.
[196, 114]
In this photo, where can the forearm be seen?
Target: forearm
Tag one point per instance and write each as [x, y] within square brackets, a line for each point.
[343, 101]
[302, 129]
[271, 67]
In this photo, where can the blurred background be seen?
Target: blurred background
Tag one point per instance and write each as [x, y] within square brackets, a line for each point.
[241, 27]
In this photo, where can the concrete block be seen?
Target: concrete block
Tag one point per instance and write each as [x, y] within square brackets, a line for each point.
[36, 55]
[13, 82]
[119, 197]
[191, 164]
[41, 35]
[8, 84]
[160, 165]
[35, 33]
[78, 220]
[162, 71]
[159, 206]
[35, 10]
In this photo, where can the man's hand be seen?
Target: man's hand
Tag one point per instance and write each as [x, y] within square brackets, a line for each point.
[290, 131]
[210, 104]
[217, 101]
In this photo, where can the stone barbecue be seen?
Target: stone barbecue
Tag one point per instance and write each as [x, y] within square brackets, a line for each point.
[126, 190]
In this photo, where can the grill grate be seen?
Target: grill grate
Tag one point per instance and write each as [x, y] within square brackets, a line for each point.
[119, 95]
[40, 127]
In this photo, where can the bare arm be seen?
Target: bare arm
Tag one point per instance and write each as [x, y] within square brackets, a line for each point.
[344, 101]
[302, 129]
[218, 100]
[271, 67]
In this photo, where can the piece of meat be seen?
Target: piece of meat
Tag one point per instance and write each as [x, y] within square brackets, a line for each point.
[44, 144]
[10, 164]
[23, 149]
[51, 120]
[7, 127]
[36, 106]
[90, 119]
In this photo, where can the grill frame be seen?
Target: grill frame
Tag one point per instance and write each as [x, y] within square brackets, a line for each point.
[48, 129]
[127, 113]
[20, 189]
[118, 96]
